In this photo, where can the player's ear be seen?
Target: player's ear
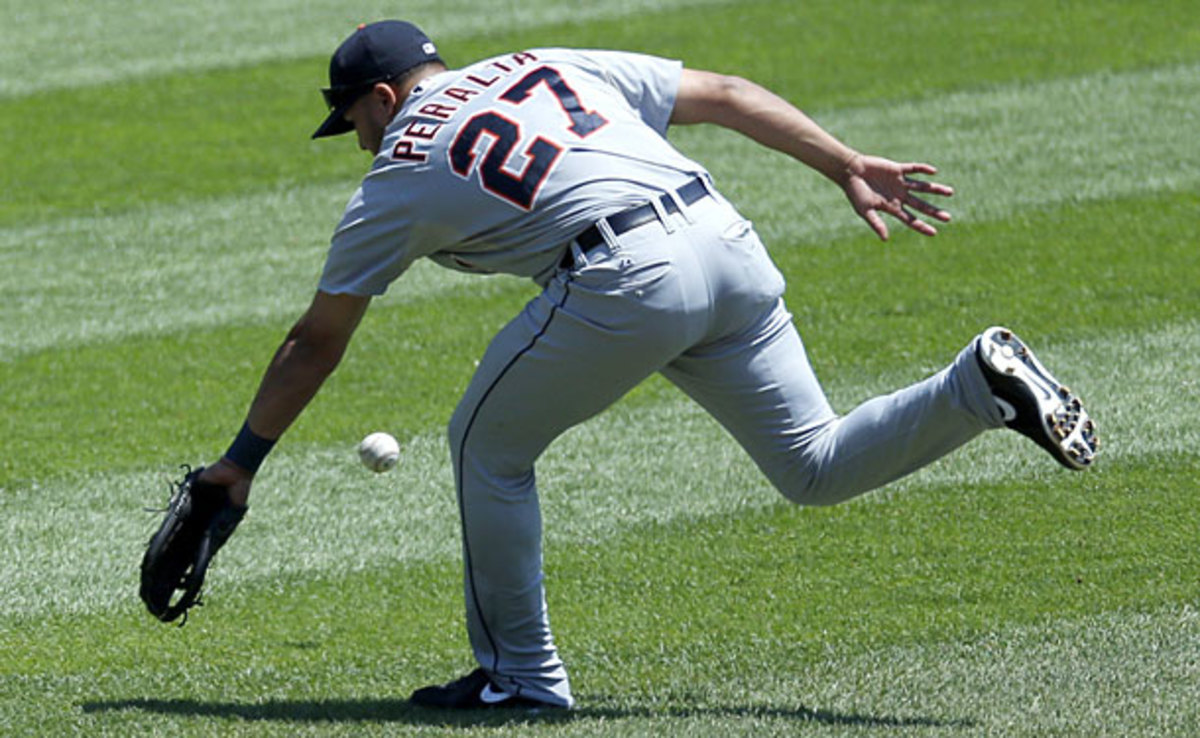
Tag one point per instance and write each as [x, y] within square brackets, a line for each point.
[385, 94]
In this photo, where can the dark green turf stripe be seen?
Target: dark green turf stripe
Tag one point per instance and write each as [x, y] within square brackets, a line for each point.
[864, 308]
[187, 136]
[938, 564]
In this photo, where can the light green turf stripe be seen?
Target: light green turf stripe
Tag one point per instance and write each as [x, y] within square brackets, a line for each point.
[1115, 674]
[318, 511]
[170, 269]
[87, 42]
[1004, 149]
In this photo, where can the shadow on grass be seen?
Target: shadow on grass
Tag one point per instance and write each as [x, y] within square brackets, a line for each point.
[401, 711]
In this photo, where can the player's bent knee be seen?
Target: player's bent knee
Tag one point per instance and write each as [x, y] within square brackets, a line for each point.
[808, 493]
[810, 482]
[814, 495]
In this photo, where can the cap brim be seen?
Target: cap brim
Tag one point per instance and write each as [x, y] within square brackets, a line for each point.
[335, 125]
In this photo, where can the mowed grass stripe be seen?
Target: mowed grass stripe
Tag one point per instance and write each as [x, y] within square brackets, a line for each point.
[598, 481]
[1119, 673]
[1007, 150]
[175, 269]
[40, 46]
[865, 309]
[200, 133]
[653, 621]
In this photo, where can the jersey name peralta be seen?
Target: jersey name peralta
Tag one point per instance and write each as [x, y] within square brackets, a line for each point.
[496, 167]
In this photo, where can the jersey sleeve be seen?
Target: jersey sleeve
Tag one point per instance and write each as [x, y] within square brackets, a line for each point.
[648, 83]
[370, 248]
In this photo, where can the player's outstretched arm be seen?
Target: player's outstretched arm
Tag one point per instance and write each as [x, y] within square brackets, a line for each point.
[312, 350]
[872, 184]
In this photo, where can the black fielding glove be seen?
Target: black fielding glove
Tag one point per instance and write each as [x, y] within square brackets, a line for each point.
[200, 517]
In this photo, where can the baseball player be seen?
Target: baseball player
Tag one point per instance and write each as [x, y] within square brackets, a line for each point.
[553, 164]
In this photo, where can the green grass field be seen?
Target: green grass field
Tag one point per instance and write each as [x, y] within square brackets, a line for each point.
[165, 219]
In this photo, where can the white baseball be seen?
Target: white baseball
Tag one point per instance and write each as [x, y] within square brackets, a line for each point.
[379, 452]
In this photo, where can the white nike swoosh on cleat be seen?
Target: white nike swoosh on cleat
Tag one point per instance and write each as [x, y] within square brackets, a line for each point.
[1047, 394]
[490, 696]
[1006, 409]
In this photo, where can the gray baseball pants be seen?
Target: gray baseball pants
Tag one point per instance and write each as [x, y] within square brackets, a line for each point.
[695, 297]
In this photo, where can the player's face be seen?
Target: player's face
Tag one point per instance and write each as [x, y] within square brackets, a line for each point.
[370, 115]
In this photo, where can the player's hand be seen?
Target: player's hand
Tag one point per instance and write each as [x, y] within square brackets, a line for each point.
[231, 476]
[875, 185]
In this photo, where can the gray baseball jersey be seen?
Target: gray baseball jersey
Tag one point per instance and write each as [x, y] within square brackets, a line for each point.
[495, 167]
[500, 167]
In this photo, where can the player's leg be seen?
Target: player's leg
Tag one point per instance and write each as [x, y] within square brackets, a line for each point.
[760, 386]
[752, 373]
[574, 350]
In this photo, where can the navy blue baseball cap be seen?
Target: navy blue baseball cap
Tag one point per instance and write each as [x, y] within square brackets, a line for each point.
[376, 52]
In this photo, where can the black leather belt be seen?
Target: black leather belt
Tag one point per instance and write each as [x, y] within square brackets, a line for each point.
[626, 220]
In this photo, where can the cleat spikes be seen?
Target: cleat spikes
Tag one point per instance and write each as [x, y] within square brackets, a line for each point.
[1046, 411]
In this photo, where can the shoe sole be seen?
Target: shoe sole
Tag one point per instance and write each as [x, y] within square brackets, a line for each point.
[1067, 431]
[475, 691]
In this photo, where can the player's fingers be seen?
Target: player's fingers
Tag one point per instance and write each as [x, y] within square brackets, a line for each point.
[895, 208]
[905, 216]
[920, 226]
[933, 188]
[913, 167]
[876, 223]
[927, 208]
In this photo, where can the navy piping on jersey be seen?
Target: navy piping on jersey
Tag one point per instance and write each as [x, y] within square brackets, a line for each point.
[462, 447]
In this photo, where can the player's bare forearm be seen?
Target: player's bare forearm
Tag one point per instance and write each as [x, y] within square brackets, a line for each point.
[292, 379]
[873, 185]
[753, 110]
[312, 350]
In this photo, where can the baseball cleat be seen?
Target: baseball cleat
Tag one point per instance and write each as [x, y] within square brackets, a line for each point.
[1033, 402]
[475, 691]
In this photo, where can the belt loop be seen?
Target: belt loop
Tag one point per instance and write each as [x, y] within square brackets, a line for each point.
[663, 216]
[610, 237]
[580, 258]
[683, 206]
[709, 187]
